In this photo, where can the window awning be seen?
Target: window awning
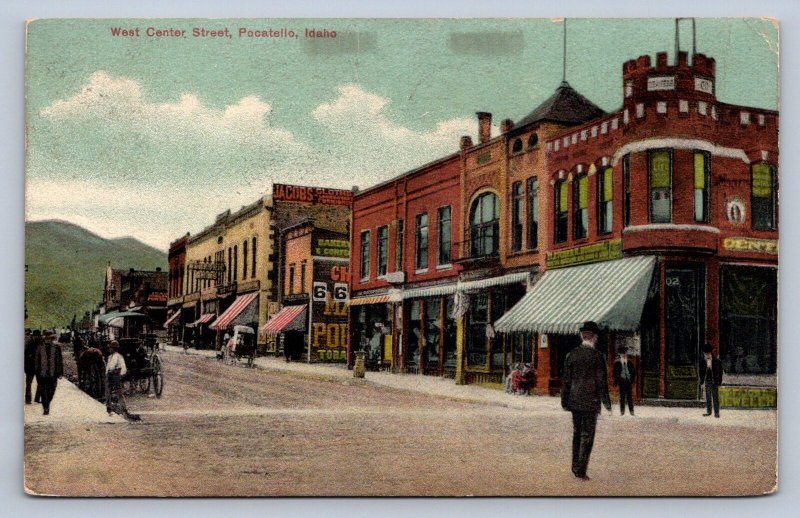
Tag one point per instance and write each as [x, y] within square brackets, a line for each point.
[376, 299]
[430, 291]
[611, 293]
[501, 280]
[288, 319]
[172, 319]
[205, 319]
[239, 305]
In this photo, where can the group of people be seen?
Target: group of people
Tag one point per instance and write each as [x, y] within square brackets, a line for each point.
[585, 389]
[521, 380]
[43, 361]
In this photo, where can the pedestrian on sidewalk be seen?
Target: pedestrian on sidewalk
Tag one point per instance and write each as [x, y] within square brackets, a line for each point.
[49, 366]
[32, 343]
[115, 371]
[711, 375]
[624, 376]
[585, 387]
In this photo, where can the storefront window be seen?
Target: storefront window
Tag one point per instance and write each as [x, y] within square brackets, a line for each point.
[414, 336]
[580, 204]
[449, 334]
[433, 333]
[748, 327]
[660, 187]
[478, 318]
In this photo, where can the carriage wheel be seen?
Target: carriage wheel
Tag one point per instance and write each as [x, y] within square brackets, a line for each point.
[158, 376]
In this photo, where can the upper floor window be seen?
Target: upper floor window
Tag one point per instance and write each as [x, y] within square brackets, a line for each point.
[485, 225]
[230, 263]
[660, 168]
[701, 176]
[626, 190]
[561, 207]
[517, 147]
[302, 286]
[517, 201]
[365, 255]
[253, 271]
[422, 241]
[244, 260]
[763, 197]
[444, 235]
[398, 258]
[532, 186]
[383, 250]
[605, 200]
[533, 140]
[580, 204]
[235, 261]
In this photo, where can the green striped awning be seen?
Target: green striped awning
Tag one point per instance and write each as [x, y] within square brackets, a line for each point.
[611, 293]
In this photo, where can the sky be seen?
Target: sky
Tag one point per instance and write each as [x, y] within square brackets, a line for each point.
[151, 137]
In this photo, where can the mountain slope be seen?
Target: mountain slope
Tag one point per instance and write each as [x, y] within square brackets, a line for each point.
[66, 267]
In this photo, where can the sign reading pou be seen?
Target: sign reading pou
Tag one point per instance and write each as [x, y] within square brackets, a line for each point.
[314, 195]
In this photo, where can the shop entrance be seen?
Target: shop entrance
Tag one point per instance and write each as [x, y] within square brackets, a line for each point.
[684, 311]
[560, 346]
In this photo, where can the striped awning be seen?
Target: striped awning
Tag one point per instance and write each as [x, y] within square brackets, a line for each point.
[501, 280]
[204, 319]
[239, 305]
[611, 293]
[376, 299]
[287, 319]
[430, 291]
[172, 319]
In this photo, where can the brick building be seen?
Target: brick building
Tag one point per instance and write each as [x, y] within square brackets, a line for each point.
[136, 290]
[658, 220]
[177, 272]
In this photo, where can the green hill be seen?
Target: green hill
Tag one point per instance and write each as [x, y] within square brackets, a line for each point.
[66, 267]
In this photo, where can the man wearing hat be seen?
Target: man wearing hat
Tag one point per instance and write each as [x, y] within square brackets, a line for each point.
[49, 367]
[115, 371]
[32, 342]
[624, 376]
[711, 374]
[585, 387]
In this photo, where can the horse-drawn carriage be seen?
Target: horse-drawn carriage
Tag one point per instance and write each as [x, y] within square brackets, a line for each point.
[137, 345]
[241, 346]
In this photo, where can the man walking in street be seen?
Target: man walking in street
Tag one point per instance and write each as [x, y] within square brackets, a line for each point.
[711, 374]
[115, 371]
[624, 376]
[585, 388]
[49, 367]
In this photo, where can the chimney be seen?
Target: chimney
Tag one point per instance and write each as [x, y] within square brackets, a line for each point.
[484, 126]
[506, 125]
[466, 142]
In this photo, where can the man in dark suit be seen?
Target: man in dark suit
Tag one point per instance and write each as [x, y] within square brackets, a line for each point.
[49, 367]
[624, 376]
[31, 345]
[711, 374]
[585, 388]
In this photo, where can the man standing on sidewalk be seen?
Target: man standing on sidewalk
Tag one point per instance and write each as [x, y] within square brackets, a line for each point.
[49, 367]
[31, 345]
[711, 374]
[115, 371]
[585, 388]
[624, 376]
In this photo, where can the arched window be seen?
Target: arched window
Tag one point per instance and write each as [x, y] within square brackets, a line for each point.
[517, 146]
[533, 140]
[580, 207]
[561, 207]
[485, 225]
[763, 197]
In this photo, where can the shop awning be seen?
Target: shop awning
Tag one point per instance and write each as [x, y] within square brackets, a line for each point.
[287, 319]
[501, 280]
[363, 301]
[430, 291]
[611, 293]
[239, 305]
[117, 318]
[172, 319]
[205, 319]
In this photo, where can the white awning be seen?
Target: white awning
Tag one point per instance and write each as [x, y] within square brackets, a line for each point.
[611, 293]
[430, 291]
[501, 280]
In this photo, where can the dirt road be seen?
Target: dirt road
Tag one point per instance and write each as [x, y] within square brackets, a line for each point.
[223, 430]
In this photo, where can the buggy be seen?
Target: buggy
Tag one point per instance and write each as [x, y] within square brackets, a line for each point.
[241, 346]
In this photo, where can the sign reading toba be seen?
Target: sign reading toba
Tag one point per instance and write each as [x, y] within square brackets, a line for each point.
[313, 195]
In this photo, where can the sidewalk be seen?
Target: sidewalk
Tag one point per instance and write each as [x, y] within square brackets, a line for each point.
[70, 405]
[540, 405]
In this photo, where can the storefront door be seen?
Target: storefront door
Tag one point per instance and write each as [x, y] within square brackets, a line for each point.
[685, 329]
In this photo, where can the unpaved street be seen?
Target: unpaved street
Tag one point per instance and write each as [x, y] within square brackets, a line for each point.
[223, 430]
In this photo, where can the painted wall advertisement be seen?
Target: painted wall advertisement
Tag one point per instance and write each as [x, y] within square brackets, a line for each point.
[329, 311]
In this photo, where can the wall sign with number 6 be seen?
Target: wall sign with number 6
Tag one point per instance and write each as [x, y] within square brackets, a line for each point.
[340, 292]
[320, 291]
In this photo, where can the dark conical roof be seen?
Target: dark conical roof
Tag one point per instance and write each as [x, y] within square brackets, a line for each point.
[565, 106]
